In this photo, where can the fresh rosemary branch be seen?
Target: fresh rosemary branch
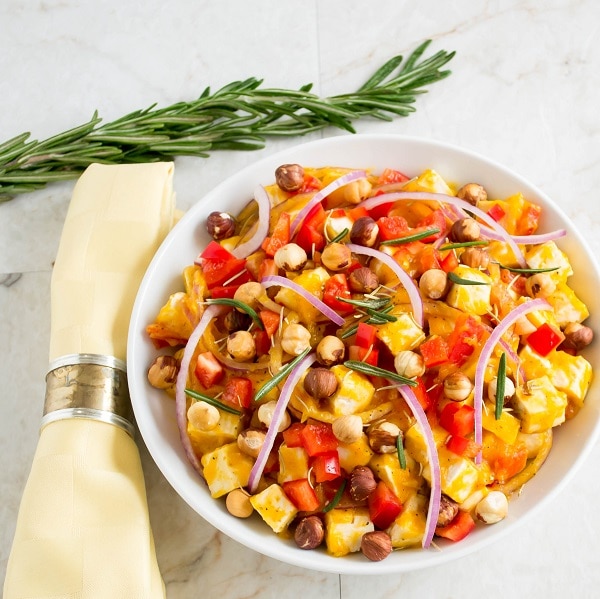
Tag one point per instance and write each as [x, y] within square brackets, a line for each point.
[239, 116]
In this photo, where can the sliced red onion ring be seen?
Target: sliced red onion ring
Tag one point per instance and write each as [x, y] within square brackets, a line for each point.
[406, 280]
[180, 399]
[282, 403]
[322, 194]
[262, 227]
[322, 307]
[457, 202]
[527, 239]
[486, 352]
[434, 463]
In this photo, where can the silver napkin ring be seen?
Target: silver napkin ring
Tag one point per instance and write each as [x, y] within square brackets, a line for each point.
[88, 386]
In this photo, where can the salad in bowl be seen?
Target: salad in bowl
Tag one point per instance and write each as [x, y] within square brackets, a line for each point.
[368, 357]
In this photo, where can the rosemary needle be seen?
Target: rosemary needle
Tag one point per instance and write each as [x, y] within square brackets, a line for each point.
[240, 116]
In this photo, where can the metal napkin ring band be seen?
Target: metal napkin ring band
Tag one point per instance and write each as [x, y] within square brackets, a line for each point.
[88, 386]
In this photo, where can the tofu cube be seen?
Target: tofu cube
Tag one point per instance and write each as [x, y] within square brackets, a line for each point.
[355, 454]
[274, 507]
[567, 306]
[472, 299]
[226, 468]
[354, 392]
[403, 334]
[540, 405]
[409, 527]
[345, 529]
[548, 255]
[404, 482]
[225, 432]
[293, 463]
[460, 477]
[312, 281]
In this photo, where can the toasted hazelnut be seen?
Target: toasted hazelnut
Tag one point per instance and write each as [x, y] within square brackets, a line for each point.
[336, 256]
[290, 257]
[475, 258]
[382, 437]
[457, 386]
[238, 504]
[376, 545]
[241, 346]
[492, 508]
[348, 428]
[330, 350]
[236, 321]
[249, 294]
[203, 416]
[295, 339]
[472, 193]
[364, 231]
[162, 374]
[448, 510]
[289, 177]
[363, 280]
[434, 283]
[220, 225]
[577, 336]
[362, 483]
[540, 284]
[320, 383]
[409, 364]
[465, 229]
[309, 533]
[250, 442]
[265, 415]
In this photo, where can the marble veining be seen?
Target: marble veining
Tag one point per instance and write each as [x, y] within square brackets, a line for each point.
[523, 92]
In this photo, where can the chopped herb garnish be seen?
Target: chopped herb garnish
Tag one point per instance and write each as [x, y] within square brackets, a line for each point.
[371, 370]
[381, 315]
[500, 385]
[212, 401]
[528, 270]
[460, 281]
[374, 304]
[400, 449]
[463, 244]
[280, 375]
[413, 237]
[336, 497]
[225, 301]
[340, 236]
[349, 331]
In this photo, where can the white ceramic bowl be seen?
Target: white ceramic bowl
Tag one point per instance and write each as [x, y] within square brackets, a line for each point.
[155, 414]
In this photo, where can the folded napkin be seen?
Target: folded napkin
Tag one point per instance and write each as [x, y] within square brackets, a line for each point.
[83, 529]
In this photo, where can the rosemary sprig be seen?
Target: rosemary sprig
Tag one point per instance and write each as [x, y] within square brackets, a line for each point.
[500, 385]
[460, 281]
[212, 401]
[340, 236]
[463, 244]
[280, 375]
[400, 451]
[412, 237]
[225, 301]
[371, 370]
[336, 497]
[527, 270]
[240, 116]
[372, 304]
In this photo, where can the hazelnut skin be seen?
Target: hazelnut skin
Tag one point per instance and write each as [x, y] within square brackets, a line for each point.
[472, 193]
[163, 372]
[320, 383]
[362, 483]
[475, 258]
[336, 256]
[238, 504]
[577, 336]
[220, 225]
[376, 545]
[309, 533]
[331, 350]
[364, 231]
[465, 229]
[363, 280]
[289, 177]
[448, 510]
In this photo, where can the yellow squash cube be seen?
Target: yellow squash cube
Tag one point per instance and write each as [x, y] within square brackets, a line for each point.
[312, 281]
[506, 427]
[401, 335]
[567, 306]
[460, 477]
[548, 255]
[354, 392]
[540, 405]
[225, 469]
[293, 463]
[472, 299]
[274, 507]
[409, 527]
[355, 454]
[345, 529]
[404, 482]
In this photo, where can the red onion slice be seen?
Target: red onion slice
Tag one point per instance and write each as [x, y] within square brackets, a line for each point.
[282, 403]
[527, 239]
[406, 280]
[180, 399]
[322, 307]
[486, 352]
[322, 194]
[434, 463]
[458, 203]
[262, 228]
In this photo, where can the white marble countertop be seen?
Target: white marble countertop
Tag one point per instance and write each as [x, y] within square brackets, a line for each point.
[524, 91]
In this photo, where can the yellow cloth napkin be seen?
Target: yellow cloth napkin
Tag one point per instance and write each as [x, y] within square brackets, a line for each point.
[83, 529]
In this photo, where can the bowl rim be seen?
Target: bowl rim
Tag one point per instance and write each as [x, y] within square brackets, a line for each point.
[184, 480]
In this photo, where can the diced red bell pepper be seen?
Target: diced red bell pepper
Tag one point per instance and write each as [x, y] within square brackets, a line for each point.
[301, 494]
[270, 321]
[238, 392]
[318, 437]
[384, 506]
[358, 212]
[326, 466]
[392, 227]
[544, 339]
[224, 292]
[528, 221]
[208, 370]
[458, 419]
[267, 268]
[363, 354]
[335, 287]
[458, 529]
[310, 234]
[434, 351]
[390, 175]
[280, 236]
[463, 340]
[262, 342]
[366, 335]
[421, 393]
[462, 446]
[220, 266]
[437, 220]
[449, 262]
[310, 184]
[496, 212]
[292, 435]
